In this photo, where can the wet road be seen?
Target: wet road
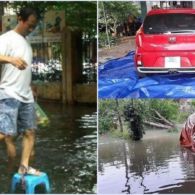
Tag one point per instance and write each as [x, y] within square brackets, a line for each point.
[66, 150]
[156, 164]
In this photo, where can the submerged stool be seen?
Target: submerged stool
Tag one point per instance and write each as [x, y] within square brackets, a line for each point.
[31, 181]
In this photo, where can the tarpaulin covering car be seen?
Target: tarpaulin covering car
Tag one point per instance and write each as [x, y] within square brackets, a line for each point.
[118, 79]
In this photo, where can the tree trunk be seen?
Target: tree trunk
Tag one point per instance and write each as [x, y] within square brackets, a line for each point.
[158, 125]
[115, 26]
[108, 39]
[119, 116]
[164, 119]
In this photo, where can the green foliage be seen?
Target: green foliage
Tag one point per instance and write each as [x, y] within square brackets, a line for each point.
[193, 103]
[114, 13]
[106, 115]
[105, 124]
[118, 134]
[182, 116]
[117, 11]
[144, 108]
[167, 108]
[103, 41]
[81, 15]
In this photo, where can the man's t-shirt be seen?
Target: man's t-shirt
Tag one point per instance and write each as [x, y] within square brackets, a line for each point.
[15, 83]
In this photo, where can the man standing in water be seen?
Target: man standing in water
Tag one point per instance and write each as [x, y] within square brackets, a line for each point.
[17, 112]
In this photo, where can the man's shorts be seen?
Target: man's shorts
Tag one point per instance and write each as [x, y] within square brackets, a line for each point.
[16, 117]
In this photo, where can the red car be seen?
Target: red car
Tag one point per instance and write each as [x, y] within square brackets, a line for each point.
[166, 42]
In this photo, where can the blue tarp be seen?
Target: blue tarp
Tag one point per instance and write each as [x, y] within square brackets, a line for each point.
[118, 79]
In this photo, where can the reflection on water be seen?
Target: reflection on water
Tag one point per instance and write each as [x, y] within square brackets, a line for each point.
[156, 164]
[66, 150]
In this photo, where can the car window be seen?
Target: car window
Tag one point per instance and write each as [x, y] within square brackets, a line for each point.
[169, 23]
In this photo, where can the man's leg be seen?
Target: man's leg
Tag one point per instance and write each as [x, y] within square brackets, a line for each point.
[8, 117]
[27, 149]
[27, 146]
[11, 152]
[11, 148]
[27, 126]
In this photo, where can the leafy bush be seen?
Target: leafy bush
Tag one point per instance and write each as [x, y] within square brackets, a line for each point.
[144, 110]
[169, 109]
[123, 135]
[103, 41]
[106, 115]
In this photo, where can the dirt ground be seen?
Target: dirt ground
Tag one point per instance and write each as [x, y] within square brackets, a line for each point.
[125, 45]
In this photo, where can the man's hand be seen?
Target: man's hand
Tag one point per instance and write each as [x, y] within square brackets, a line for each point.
[18, 62]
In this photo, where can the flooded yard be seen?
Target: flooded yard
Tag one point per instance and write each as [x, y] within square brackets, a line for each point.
[65, 150]
[157, 164]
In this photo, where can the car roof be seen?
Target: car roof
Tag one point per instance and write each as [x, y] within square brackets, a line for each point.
[171, 11]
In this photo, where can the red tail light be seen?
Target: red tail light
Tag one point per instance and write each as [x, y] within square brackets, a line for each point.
[138, 60]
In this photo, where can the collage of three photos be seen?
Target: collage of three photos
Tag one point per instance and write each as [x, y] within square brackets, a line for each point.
[146, 113]
[97, 97]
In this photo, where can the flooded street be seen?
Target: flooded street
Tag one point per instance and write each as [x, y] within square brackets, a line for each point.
[65, 150]
[156, 164]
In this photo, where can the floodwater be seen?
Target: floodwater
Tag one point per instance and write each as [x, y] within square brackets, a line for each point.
[157, 164]
[65, 150]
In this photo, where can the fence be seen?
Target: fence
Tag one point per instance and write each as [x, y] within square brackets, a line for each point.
[47, 58]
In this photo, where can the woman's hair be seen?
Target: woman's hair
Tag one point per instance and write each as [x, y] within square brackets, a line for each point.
[25, 12]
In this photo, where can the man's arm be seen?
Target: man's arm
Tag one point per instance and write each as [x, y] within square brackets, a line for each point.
[15, 61]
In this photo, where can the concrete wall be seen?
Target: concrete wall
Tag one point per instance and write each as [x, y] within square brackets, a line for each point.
[85, 93]
[82, 93]
[50, 91]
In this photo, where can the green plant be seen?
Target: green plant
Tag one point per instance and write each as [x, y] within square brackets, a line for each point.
[79, 15]
[118, 134]
[103, 41]
[106, 115]
[169, 109]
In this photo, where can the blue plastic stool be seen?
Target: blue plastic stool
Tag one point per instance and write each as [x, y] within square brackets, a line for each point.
[31, 181]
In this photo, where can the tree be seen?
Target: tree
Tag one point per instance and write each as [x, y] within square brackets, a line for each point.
[80, 15]
[106, 114]
[111, 15]
[119, 115]
[116, 12]
[139, 113]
